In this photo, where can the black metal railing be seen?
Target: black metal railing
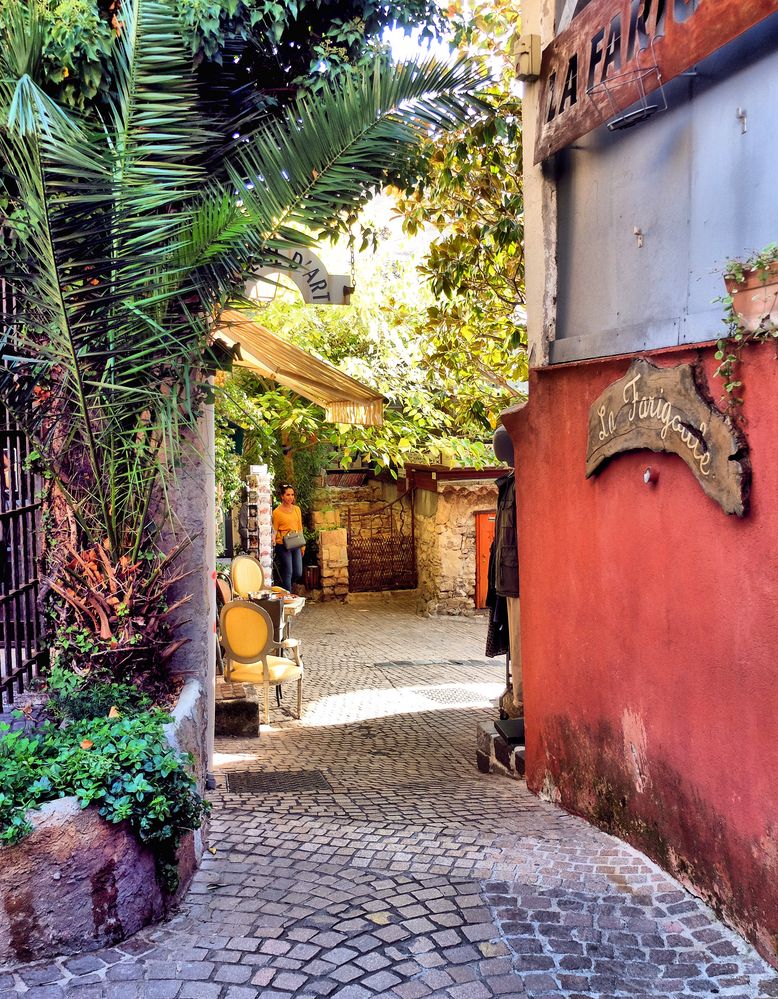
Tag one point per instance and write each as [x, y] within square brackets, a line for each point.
[22, 646]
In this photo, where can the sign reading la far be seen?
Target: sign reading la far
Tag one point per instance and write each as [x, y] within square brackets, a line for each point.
[629, 46]
[663, 409]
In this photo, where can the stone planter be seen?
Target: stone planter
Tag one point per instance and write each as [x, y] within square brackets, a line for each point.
[77, 882]
[755, 298]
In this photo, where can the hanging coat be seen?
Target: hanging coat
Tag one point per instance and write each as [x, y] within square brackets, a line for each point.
[506, 539]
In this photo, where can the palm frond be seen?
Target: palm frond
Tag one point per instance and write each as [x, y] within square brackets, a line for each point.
[338, 148]
[294, 174]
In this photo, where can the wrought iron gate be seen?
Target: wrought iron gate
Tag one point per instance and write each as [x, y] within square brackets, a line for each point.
[382, 548]
[22, 649]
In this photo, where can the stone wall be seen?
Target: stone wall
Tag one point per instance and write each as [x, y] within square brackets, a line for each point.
[333, 561]
[445, 544]
[192, 518]
[331, 504]
[330, 516]
[445, 538]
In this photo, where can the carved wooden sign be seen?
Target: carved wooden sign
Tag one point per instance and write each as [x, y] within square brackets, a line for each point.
[663, 409]
[623, 46]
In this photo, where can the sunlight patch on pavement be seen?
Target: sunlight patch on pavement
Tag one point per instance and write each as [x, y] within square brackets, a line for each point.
[222, 759]
[362, 705]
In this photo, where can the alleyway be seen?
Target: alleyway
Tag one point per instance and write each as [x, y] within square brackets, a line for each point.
[400, 871]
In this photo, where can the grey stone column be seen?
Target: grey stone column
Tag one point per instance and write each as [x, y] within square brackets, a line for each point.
[192, 515]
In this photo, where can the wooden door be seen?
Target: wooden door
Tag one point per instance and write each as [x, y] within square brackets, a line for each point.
[484, 535]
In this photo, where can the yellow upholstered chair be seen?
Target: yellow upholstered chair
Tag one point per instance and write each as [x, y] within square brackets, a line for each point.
[247, 636]
[246, 575]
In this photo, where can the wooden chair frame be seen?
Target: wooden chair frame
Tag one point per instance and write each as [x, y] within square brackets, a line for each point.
[234, 567]
[261, 654]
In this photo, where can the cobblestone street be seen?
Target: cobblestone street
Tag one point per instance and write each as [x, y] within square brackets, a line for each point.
[400, 871]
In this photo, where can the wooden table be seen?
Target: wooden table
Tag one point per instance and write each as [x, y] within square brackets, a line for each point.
[289, 609]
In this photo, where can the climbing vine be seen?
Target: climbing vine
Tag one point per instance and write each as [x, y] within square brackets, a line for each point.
[739, 332]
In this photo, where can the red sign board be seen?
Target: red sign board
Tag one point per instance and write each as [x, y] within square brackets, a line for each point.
[617, 50]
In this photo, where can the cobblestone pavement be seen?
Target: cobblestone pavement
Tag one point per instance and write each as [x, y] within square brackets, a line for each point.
[407, 874]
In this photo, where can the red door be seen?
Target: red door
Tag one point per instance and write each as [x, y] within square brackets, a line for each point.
[484, 535]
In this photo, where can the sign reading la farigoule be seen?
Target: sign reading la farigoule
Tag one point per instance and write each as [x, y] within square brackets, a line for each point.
[632, 46]
[663, 409]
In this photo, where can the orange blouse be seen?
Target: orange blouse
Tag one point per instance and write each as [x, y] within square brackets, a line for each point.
[286, 519]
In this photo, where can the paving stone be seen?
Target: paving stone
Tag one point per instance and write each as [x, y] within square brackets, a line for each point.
[232, 974]
[473, 990]
[415, 875]
[372, 962]
[351, 992]
[381, 981]
[41, 974]
[412, 990]
[263, 977]
[346, 973]
[125, 972]
[162, 990]
[83, 965]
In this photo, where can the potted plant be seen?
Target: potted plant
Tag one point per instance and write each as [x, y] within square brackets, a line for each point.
[752, 285]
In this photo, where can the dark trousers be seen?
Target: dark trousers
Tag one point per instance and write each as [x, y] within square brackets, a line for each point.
[290, 564]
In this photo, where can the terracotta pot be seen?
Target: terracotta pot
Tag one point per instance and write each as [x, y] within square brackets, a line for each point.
[755, 298]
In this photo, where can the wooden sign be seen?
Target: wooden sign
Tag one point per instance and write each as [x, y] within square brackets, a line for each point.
[663, 409]
[621, 46]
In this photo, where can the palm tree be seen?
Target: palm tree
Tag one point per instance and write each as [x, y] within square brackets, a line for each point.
[133, 226]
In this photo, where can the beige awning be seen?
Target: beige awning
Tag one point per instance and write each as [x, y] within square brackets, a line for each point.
[345, 400]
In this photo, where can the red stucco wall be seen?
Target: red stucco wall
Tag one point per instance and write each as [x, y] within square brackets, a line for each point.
[649, 627]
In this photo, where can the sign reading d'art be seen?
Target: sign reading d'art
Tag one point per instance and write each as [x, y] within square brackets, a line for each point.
[663, 409]
[627, 45]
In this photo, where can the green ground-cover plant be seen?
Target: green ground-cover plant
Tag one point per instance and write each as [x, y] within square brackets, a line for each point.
[74, 698]
[122, 764]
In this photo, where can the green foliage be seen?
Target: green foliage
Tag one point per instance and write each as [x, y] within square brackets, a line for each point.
[729, 348]
[269, 48]
[124, 766]
[471, 194]
[307, 464]
[227, 463]
[77, 697]
[78, 38]
[126, 239]
[759, 261]
[380, 340]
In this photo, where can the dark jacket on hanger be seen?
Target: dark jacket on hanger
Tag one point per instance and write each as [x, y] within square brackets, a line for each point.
[506, 550]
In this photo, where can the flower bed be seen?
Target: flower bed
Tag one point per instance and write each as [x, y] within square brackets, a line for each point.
[78, 882]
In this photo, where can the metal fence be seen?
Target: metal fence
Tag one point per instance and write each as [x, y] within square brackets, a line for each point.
[22, 647]
[382, 548]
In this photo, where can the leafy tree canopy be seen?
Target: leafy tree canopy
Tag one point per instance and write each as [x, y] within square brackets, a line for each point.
[441, 329]
[249, 53]
[471, 193]
[431, 414]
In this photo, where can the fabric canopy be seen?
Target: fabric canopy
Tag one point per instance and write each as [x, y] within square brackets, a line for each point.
[345, 400]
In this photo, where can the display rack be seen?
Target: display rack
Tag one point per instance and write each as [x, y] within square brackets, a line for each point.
[260, 521]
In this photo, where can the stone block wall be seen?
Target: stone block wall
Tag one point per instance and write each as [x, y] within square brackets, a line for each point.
[333, 561]
[445, 544]
[331, 504]
[325, 520]
[445, 538]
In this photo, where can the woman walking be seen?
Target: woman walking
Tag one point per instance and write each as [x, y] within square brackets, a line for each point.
[288, 519]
